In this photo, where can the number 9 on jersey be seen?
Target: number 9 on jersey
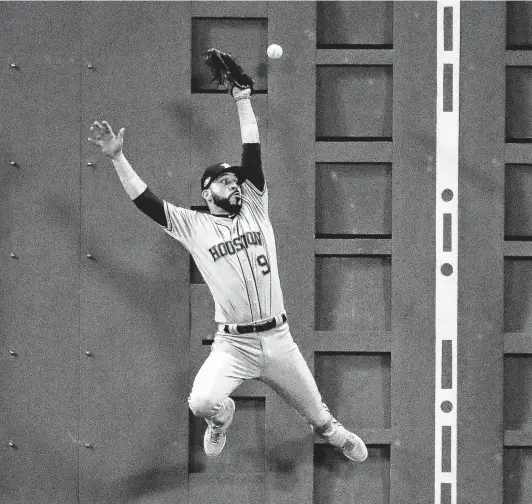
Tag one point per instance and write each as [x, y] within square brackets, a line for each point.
[263, 262]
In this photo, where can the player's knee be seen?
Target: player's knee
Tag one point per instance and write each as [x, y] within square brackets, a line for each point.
[202, 406]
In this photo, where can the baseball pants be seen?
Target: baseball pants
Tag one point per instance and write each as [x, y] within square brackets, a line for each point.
[271, 356]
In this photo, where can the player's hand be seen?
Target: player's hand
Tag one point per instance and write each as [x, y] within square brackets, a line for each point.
[104, 137]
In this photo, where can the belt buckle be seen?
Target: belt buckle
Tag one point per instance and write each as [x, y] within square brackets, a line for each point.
[254, 327]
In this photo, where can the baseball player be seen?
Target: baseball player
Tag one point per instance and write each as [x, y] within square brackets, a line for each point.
[234, 248]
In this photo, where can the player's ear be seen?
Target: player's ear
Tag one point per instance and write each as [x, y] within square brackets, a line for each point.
[206, 193]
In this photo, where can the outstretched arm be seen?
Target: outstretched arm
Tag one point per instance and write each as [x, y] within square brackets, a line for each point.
[251, 155]
[135, 188]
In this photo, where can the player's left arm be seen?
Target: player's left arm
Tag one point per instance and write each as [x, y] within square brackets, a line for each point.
[251, 154]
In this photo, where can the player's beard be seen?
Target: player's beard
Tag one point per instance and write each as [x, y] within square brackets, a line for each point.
[225, 203]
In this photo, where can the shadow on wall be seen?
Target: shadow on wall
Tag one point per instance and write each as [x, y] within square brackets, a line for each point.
[180, 115]
[121, 274]
[283, 465]
[150, 483]
[135, 285]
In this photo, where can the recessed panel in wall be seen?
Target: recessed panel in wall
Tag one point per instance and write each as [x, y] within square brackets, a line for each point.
[518, 201]
[216, 134]
[245, 447]
[517, 476]
[353, 293]
[518, 392]
[519, 25]
[519, 104]
[355, 24]
[354, 102]
[356, 387]
[245, 39]
[518, 295]
[338, 481]
[195, 275]
[353, 199]
[202, 324]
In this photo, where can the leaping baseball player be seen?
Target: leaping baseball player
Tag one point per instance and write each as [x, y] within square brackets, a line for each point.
[234, 248]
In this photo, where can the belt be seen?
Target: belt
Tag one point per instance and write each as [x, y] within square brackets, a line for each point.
[263, 325]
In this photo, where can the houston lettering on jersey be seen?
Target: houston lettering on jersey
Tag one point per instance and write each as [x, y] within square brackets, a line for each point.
[231, 247]
[236, 256]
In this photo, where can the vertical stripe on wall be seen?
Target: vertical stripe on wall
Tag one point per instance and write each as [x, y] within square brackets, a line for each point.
[447, 117]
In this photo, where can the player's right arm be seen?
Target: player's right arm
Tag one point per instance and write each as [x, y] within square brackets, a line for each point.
[137, 190]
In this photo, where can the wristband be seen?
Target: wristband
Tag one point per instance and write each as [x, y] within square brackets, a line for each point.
[131, 182]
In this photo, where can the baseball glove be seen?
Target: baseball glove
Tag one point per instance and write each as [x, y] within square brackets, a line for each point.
[226, 71]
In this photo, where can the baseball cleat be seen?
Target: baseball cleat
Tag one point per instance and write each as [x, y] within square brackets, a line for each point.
[354, 448]
[351, 445]
[215, 435]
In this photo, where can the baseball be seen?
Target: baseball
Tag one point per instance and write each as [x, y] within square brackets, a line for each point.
[274, 51]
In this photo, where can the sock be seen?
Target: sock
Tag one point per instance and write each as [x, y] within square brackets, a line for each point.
[327, 429]
[221, 416]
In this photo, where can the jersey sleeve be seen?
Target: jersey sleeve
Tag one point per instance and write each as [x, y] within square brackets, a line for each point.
[152, 206]
[254, 200]
[252, 165]
[181, 223]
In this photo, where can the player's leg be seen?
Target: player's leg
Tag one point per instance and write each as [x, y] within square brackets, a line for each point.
[224, 369]
[287, 372]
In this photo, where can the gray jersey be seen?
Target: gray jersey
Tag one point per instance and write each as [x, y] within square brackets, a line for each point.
[236, 256]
